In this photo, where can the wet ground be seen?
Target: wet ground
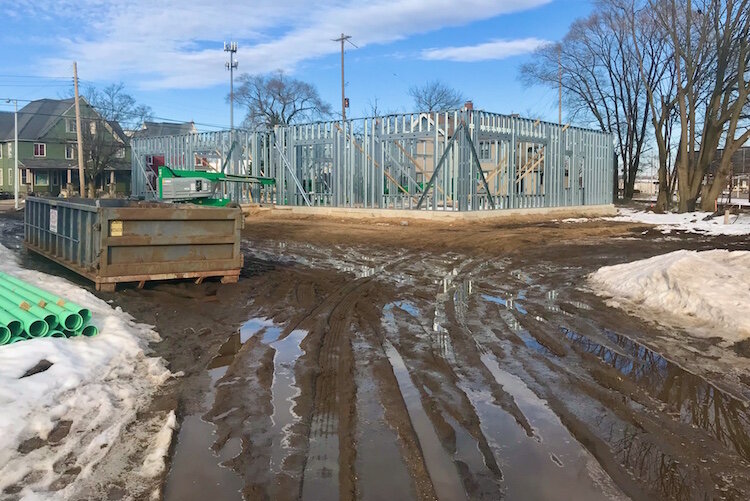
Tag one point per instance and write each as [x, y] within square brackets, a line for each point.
[384, 360]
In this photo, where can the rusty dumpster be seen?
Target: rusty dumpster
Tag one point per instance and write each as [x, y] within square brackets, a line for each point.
[110, 241]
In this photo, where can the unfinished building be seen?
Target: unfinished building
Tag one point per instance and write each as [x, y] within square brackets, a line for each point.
[465, 160]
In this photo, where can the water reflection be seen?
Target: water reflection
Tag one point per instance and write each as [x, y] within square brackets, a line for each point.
[691, 398]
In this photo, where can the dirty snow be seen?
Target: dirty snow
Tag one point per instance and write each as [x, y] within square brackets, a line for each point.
[97, 384]
[707, 293]
[154, 464]
[691, 222]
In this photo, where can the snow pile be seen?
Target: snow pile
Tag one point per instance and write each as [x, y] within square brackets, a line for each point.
[95, 386]
[707, 292]
[692, 222]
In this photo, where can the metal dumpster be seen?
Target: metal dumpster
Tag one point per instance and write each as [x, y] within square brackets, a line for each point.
[110, 241]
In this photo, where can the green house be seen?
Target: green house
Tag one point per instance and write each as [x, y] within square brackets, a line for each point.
[48, 151]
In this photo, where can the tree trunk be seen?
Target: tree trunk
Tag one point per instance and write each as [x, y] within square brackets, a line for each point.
[663, 198]
[91, 189]
[711, 193]
[629, 190]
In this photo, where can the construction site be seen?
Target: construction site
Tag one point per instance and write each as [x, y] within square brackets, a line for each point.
[466, 160]
[394, 307]
[324, 274]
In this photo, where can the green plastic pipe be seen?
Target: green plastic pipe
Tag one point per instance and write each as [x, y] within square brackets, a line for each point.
[72, 333]
[68, 319]
[11, 322]
[5, 335]
[56, 334]
[16, 339]
[28, 305]
[34, 327]
[84, 312]
[90, 331]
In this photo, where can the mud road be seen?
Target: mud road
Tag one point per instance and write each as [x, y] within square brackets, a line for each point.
[392, 360]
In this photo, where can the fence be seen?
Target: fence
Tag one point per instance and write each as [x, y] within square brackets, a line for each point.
[452, 161]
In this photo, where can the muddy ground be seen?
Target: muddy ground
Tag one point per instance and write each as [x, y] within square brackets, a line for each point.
[415, 360]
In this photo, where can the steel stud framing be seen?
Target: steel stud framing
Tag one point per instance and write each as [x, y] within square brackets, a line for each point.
[451, 161]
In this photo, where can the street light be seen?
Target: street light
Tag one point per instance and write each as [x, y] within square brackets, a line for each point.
[15, 152]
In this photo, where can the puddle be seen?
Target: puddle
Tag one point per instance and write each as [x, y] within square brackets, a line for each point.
[196, 472]
[256, 325]
[440, 466]
[377, 445]
[692, 399]
[551, 464]
[529, 340]
[468, 453]
[509, 303]
[283, 393]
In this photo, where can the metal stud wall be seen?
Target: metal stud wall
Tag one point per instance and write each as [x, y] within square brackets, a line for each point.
[455, 161]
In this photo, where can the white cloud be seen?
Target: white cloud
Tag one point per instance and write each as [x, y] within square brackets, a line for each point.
[178, 43]
[497, 49]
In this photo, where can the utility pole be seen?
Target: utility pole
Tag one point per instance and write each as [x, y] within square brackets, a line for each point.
[559, 84]
[343, 38]
[15, 154]
[231, 65]
[79, 134]
[15, 148]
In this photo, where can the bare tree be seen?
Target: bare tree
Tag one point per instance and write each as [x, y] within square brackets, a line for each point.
[659, 79]
[104, 141]
[276, 99]
[597, 65]
[710, 57]
[114, 104]
[436, 96]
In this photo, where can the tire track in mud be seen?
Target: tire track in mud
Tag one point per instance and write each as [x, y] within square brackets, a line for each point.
[508, 411]
[638, 439]
[397, 449]
[329, 462]
[458, 442]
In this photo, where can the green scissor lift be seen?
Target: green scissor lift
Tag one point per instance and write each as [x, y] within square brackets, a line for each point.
[201, 187]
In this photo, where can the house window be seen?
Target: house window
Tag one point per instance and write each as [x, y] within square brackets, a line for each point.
[92, 127]
[70, 151]
[10, 150]
[41, 179]
[10, 175]
[23, 177]
[40, 150]
[120, 153]
[70, 125]
[1, 151]
[1, 177]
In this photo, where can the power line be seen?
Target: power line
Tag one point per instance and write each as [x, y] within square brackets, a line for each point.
[36, 76]
[101, 119]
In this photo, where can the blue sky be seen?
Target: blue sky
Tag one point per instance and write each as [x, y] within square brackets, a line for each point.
[169, 52]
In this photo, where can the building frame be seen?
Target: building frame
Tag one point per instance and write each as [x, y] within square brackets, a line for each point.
[462, 160]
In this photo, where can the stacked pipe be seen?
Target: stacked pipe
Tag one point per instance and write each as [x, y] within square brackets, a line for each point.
[28, 312]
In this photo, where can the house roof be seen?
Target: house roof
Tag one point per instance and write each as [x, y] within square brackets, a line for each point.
[35, 119]
[48, 163]
[154, 129]
[6, 124]
[118, 131]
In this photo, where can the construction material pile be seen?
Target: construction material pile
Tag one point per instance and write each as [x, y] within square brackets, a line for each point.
[28, 312]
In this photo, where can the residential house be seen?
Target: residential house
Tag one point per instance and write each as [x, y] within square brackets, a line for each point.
[48, 152]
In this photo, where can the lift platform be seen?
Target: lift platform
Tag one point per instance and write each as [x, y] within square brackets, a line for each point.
[201, 187]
